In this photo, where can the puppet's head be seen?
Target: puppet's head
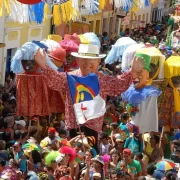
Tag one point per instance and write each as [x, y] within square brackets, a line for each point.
[156, 63]
[143, 74]
[23, 60]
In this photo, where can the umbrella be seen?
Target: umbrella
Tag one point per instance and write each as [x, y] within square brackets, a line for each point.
[165, 165]
[118, 49]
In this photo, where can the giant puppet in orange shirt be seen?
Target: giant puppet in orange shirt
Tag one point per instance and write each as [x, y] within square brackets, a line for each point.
[32, 91]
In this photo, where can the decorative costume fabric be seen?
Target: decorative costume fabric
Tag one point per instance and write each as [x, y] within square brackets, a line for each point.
[108, 86]
[167, 116]
[32, 91]
[32, 95]
[147, 117]
[137, 96]
[118, 49]
[51, 44]
[26, 52]
[171, 69]
[128, 55]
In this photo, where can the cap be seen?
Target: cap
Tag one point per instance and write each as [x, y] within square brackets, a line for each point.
[52, 130]
[21, 122]
[127, 151]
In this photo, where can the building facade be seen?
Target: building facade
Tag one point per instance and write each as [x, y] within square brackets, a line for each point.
[14, 35]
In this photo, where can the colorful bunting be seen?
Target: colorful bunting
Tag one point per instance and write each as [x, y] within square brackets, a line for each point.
[64, 11]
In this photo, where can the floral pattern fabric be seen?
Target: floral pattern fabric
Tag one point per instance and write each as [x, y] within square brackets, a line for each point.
[32, 95]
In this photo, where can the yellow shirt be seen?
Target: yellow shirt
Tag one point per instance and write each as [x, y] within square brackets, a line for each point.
[149, 151]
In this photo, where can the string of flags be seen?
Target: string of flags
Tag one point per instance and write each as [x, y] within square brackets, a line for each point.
[63, 11]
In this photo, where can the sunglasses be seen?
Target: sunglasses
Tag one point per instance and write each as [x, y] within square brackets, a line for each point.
[96, 178]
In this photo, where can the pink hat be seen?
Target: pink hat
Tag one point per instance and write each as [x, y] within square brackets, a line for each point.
[69, 45]
[73, 37]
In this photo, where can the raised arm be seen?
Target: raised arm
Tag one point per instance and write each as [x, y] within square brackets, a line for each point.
[115, 85]
[54, 79]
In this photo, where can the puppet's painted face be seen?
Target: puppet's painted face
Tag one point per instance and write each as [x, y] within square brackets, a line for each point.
[142, 75]
[29, 65]
[176, 81]
[154, 69]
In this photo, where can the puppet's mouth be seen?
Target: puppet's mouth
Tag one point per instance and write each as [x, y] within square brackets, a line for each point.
[136, 82]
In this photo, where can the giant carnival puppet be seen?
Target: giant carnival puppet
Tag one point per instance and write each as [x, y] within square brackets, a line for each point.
[173, 25]
[142, 102]
[88, 58]
[139, 97]
[32, 91]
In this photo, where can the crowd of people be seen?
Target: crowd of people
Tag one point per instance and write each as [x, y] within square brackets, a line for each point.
[42, 147]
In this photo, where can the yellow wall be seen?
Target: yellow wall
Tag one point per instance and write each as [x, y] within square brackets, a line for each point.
[96, 21]
[24, 30]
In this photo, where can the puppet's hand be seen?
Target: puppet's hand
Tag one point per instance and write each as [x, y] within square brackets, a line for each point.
[40, 58]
